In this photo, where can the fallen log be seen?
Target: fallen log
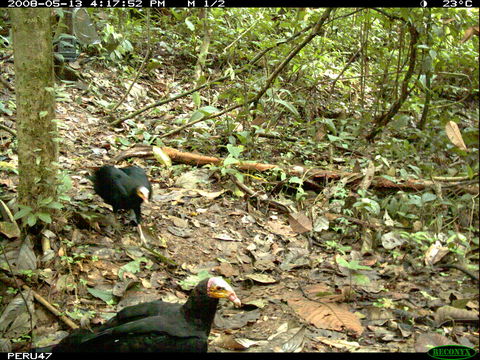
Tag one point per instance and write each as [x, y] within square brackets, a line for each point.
[308, 174]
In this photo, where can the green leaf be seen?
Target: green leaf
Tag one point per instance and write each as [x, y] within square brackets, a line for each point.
[234, 151]
[45, 201]
[106, 296]
[23, 212]
[330, 126]
[209, 110]
[45, 217]
[333, 138]
[243, 136]
[289, 106]
[391, 178]
[342, 262]
[470, 172]
[368, 204]
[355, 265]
[55, 205]
[196, 99]
[192, 281]
[131, 267]
[229, 161]
[414, 200]
[197, 115]
[189, 24]
[295, 180]
[31, 220]
[427, 197]
[42, 114]
[361, 279]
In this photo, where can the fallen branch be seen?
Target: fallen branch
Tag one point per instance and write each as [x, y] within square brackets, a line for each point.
[162, 258]
[260, 197]
[188, 158]
[309, 175]
[52, 309]
[6, 84]
[331, 217]
[7, 129]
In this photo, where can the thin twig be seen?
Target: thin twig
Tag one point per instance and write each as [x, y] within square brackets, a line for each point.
[140, 69]
[7, 84]
[7, 129]
[161, 257]
[52, 309]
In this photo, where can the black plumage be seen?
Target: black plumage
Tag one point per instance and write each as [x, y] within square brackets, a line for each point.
[155, 326]
[123, 188]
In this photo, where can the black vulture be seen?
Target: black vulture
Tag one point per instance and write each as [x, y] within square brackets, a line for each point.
[123, 188]
[155, 326]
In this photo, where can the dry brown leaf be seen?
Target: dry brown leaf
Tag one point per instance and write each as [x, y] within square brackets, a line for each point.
[299, 222]
[225, 237]
[210, 195]
[368, 177]
[339, 344]
[15, 318]
[321, 132]
[259, 120]
[450, 313]
[332, 316]
[262, 278]
[238, 320]
[227, 270]
[10, 230]
[178, 222]
[425, 342]
[146, 284]
[230, 343]
[473, 30]
[280, 229]
[435, 253]
[322, 292]
[454, 135]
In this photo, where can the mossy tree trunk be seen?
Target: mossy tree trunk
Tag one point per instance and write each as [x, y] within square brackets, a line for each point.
[36, 126]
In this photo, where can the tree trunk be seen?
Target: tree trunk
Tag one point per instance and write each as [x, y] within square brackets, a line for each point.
[36, 127]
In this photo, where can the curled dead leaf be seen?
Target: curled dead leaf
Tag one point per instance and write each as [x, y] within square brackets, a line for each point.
[262, 278]
[454, 135]
[451, 313]
[435, 253]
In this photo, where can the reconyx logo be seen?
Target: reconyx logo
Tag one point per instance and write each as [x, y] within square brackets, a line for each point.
[451, 352]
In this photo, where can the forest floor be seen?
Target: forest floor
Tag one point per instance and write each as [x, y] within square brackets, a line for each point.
[296, 296]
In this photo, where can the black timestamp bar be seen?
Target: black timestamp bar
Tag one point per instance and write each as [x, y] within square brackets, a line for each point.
[118, 3]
